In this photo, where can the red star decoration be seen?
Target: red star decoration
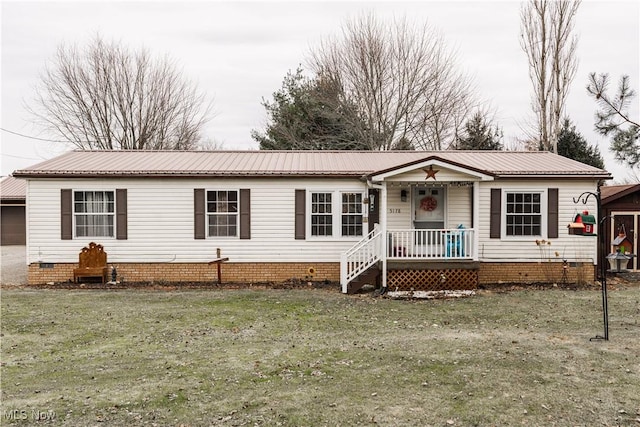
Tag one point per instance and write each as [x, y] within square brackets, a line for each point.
[431, 173]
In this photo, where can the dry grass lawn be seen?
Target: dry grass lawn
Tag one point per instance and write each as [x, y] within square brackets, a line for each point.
[317, 357]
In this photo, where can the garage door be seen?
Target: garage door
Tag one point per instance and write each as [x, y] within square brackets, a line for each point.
[12, 225]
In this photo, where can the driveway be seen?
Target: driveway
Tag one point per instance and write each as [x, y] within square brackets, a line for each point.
[13, 265]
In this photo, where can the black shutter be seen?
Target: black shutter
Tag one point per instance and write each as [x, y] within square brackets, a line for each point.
[552, 213]
[300, 215]
[199, 210]
[495, 213]
[121, 214]
[66, 214]
[245, 213]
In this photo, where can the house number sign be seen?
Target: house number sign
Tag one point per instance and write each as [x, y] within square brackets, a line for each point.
[394, 210]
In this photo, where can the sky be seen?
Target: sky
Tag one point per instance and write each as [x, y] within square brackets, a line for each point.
[239, 52]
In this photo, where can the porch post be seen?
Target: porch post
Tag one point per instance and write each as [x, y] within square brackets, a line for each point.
[476, 219]
[383, 224]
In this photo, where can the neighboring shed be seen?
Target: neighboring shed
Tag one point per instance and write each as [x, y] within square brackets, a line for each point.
[12, 215]
[622, 202]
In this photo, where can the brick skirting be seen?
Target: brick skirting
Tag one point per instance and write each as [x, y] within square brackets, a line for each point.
[534, 272]
[195, 272]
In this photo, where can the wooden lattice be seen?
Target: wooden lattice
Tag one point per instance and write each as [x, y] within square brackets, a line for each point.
[432, 280]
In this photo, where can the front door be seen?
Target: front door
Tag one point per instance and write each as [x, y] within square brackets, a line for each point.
[428, 211]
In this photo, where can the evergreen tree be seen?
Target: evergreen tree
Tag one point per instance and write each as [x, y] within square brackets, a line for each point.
[613, 118]
[571, 144]
[479, 134]
[305, 115]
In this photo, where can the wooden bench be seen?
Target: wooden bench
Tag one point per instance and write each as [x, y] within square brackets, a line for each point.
[92, 263]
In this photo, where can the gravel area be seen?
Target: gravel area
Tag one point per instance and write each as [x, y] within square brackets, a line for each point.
[13, 265]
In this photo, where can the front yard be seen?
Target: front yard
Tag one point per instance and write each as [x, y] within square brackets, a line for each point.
[317, 357]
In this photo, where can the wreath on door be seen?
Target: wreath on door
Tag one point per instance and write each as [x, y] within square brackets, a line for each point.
[428, 204]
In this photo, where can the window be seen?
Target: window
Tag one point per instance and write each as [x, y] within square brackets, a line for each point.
[321, 215]
[352, 214]
[336, 212]
[222, 213]
[523, 214]
[94, 213]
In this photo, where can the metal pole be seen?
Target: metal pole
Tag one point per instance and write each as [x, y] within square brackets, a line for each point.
[601, 260]
[603, 280]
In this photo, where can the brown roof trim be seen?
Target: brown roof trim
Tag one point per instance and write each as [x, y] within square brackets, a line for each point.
[429, 158]
[184, 174]
[542, 175]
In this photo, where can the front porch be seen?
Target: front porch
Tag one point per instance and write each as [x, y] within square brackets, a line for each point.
[423, 220]
[412, 260]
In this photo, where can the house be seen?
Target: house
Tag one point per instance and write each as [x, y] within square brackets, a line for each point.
[12, 211]
[406, 219]
[621, 204]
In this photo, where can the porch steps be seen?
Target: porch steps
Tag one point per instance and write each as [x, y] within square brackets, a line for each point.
[371, 276]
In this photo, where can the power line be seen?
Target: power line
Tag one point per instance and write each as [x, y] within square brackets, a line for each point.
[19, 157]
[30, 137]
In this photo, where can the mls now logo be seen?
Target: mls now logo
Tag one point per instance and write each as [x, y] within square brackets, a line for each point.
[34, 414]
[15, 414]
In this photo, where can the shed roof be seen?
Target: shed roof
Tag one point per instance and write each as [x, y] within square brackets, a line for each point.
[609, 193]
[298, 163]
[13, 189]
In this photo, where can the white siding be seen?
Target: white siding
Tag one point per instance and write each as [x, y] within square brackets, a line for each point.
[459, 206]
[571, 247]
[399, 214]
[161, 222]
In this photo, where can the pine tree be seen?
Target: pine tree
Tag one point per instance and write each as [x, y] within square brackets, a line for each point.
[305, 115]
[479, 134]
[571, 144]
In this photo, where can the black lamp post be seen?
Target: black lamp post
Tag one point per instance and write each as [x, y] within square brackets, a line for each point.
[602, 261]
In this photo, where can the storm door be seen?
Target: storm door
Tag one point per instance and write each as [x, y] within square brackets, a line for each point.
[428, 213]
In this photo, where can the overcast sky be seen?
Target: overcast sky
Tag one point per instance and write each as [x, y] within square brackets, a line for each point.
[239, 52]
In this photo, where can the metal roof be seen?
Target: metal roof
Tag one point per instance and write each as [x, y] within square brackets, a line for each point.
[610, 193]
[298, 163]
[13, 189]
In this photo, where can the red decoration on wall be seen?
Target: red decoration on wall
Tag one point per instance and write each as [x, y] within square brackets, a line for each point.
[428, 204]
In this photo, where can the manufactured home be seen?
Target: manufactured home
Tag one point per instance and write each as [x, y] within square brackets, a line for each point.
[406, 220]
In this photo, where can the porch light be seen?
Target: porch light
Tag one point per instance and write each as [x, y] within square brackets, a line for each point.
[403, 195]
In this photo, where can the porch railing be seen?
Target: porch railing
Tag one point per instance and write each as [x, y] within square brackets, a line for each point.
[445, 244]
[360, 257]
[412, 244]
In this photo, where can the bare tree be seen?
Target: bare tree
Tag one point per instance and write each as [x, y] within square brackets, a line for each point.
[108, 97]
[401, 78]
[547, 40]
